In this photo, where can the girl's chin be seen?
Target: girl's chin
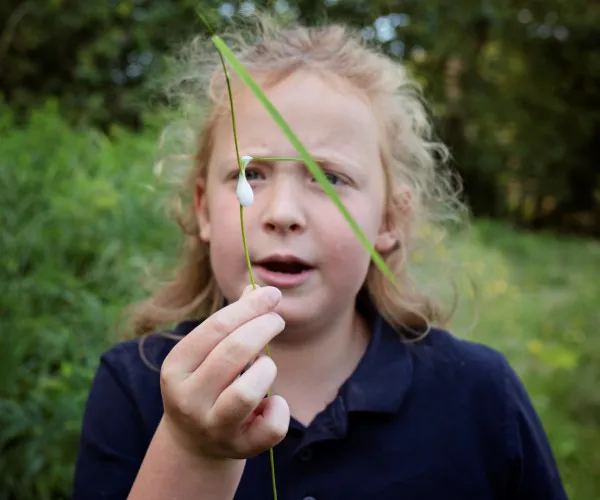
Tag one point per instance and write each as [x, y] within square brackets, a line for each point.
[302, 312]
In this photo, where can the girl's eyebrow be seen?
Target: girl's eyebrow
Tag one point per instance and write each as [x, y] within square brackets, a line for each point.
[270, 160]
[322, 160]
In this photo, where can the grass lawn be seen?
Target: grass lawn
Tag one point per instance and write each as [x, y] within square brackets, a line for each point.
[538, 301]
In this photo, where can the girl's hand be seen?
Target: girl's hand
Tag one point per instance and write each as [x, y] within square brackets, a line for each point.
[212, 411]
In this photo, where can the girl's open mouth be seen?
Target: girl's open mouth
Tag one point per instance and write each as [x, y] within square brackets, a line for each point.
[283, 272]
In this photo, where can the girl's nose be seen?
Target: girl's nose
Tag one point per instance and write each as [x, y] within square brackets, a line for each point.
[283, 209]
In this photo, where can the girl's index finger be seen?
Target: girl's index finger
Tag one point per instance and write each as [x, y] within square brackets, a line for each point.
[192, 350]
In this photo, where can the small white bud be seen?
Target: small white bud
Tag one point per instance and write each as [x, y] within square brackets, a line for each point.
[244, 191]
[245, 160]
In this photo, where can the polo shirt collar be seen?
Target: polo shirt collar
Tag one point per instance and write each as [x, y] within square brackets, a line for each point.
[383, 377]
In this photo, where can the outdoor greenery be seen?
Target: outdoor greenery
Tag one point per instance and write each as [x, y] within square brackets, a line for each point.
[82, 221]
[514, 87]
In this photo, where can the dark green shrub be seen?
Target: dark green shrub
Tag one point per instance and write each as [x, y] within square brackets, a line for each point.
[76, 223]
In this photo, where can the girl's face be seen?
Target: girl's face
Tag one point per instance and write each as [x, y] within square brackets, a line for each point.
[297, 239]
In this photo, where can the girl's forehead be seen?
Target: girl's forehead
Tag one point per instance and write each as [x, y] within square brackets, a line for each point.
[324, 113]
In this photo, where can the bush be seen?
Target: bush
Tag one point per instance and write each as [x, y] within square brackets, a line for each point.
[77, 221]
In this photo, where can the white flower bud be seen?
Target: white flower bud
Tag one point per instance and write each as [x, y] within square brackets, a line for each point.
[244, 191]
[245, 161]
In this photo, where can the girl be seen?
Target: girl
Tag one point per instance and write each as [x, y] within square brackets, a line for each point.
[369, 399]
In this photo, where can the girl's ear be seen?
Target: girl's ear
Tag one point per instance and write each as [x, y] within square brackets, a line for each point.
[387, 238]
[201, 209]
[395, 221]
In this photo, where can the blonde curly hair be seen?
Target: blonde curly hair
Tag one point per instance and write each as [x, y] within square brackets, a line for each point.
[410, 155]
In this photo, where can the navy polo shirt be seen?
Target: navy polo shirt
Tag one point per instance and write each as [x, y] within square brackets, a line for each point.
[441, 418]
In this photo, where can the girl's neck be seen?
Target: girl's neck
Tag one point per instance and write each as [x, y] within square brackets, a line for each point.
[310, 372]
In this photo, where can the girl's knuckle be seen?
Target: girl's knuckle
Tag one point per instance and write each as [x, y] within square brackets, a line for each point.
[211, 431]
[257, 305]
[221, 325]
[269, 366]
[166, 372]
[276, 321]
[186, 411]
[244, 398]
[236, 350]
[167, 378]
[211, 425]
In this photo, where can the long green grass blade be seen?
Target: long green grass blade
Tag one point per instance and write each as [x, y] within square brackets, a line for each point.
[316, 171]
[225, 53]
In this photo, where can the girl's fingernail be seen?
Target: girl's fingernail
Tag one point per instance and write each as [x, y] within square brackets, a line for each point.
[273, 295]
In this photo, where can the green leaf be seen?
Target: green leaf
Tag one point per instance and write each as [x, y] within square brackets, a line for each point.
[308, 160]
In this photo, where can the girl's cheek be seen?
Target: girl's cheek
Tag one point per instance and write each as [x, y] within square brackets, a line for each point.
[341, 238]
[225, 204]
[345, 248]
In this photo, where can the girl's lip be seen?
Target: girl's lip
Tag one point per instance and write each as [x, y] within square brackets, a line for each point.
[282, 280]
[282, 257]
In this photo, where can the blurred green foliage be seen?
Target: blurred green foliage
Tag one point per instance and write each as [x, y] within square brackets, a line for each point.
[77, 223]
[537, 301]
[81, 216]
[515, 91]
[515, 85]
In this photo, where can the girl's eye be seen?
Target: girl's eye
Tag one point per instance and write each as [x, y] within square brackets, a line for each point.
[333, 178]
[253, 175]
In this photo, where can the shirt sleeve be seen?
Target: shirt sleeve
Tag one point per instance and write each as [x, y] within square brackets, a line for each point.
[111, 447]
[534, 474]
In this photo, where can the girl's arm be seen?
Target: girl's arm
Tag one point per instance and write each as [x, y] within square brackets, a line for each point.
[114, 452]
[113, 438]
[169, 471]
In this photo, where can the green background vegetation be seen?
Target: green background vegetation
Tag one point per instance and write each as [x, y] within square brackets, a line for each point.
[515, 88]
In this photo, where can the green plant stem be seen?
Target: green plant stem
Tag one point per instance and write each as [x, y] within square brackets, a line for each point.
[235, 139]
[276, 159]
[246, 254]
[244, 242]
